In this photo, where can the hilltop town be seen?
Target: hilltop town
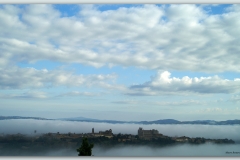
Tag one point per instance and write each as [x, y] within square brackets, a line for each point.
[103, 138]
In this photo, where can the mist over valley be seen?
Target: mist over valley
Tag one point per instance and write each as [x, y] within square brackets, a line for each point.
[45, 126]
[27, 127]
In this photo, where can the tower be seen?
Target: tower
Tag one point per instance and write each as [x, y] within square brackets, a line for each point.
[92, 130]
[140, 132]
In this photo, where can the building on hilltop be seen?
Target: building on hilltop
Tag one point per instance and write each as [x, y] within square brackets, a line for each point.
[107, 133]
[148, 134]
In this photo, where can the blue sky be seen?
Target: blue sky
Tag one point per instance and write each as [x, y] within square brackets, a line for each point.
[122, 62]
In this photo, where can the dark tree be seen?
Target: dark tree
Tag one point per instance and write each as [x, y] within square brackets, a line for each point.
[86, 148]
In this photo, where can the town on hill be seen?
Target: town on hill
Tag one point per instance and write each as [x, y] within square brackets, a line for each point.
[102, 138]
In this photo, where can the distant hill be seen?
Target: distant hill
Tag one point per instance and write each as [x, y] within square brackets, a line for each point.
[78, 119]
[161, 121]
[19, 117]
[83, 119]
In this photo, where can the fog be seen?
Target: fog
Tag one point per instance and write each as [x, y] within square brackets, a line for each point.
[206, 131]
[60, 152]
[46, 126]
[182, 150]
[207, 149]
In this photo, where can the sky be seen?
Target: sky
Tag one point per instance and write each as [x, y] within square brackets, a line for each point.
[120, 62]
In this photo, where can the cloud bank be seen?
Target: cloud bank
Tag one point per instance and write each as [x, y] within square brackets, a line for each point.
[163, 83]
[20, 78]
[174, 37]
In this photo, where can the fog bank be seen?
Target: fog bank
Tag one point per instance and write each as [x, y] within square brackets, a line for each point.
[206, 131]
[46, 126]
[181, 150]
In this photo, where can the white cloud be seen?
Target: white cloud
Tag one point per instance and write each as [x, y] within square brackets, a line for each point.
[20, 78]
[28, 95]
[235, 99]
[216, 109]
[129, 102]
[157, 104]
[181, 103]
[219, 110]
[77, 93]
[178, 37]
[162, 83]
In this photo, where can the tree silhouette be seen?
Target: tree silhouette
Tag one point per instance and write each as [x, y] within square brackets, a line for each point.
[86, 148]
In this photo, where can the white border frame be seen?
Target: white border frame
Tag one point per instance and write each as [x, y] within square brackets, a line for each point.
[118, 2]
